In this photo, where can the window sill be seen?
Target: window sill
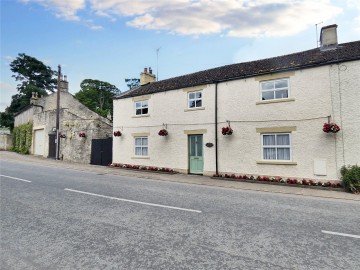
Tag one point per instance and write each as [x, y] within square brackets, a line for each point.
[140, 157]
[274, 162]
[142, 115]
[194, 109]
[275, 101]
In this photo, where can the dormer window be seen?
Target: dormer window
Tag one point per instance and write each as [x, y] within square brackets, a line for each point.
[274, 89]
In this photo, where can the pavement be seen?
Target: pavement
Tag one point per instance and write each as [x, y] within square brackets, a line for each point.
[180, 178]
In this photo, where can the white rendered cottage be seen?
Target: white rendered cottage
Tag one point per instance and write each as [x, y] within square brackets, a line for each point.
[276, 108]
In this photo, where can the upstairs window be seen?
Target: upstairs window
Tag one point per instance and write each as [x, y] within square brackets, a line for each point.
[275, 89]
[276, 146]
[141, 107]
[195, 99]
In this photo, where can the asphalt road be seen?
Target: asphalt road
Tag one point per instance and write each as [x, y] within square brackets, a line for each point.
[55, 218]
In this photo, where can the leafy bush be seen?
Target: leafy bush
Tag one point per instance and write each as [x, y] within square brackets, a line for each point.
[351, 178]
[22, 136]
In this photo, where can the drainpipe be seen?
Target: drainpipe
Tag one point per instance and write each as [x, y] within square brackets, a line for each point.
[216, 129]
[58, 114]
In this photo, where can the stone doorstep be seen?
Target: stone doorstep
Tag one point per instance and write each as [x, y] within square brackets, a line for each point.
[279, 184]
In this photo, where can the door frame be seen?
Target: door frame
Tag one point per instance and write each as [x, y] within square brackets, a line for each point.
[33, 140]
[52, 143]
[189, 152]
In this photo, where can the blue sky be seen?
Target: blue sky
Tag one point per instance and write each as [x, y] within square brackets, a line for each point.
[111, 40]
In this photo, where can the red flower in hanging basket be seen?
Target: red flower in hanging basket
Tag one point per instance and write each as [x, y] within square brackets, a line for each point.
[82, 134]
[331, 128]
[117, 133]
[163, 132]
[227, 131]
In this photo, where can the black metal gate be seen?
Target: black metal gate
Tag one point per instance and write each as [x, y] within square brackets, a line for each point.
[101, 151]
[52, 146]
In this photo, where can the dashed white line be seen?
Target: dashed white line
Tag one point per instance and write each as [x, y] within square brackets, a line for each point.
[132, 201]
[15, 178]
[342, 234]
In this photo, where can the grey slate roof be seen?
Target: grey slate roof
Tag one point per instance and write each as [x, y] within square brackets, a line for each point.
[305, 59]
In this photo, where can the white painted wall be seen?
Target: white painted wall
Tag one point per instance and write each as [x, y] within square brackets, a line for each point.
[164, 108]
[346, 110]
[314, 94]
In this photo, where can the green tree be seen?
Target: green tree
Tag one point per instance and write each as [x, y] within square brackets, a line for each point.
[32, 73]
[97, 96]
[6, 120]
[132, 83]
[33, 76]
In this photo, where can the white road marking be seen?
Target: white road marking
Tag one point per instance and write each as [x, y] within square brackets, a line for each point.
[132, 201]
[342, 234]
[28, 181]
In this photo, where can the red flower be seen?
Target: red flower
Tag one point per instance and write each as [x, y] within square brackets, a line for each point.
[331, 127]
[163, 132]
[227, 131]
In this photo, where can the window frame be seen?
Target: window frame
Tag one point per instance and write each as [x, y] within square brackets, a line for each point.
[274, 89]
[141, 146]
[142, 107]
[276, 146]
[194, 99]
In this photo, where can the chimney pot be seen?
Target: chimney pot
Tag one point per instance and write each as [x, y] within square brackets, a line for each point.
[145, 70]
[150, 70]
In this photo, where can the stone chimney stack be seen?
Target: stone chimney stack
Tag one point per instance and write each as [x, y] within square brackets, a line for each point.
[64, 85]
[34, 98]
[328, 37]
[147, 76]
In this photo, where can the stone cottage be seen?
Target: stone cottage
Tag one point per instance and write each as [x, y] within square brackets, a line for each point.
[78, 127]
[278, 116]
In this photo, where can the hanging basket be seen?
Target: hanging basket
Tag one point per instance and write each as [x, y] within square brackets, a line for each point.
[331, 128]
[82, 135]
[163, 132]
[63, 136]
[117, 133]
[227, 131]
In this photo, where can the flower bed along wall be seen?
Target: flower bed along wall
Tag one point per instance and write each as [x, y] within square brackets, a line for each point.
[143, 168]
[280, 181]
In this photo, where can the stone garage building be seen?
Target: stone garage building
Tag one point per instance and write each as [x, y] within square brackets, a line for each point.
[75, 120]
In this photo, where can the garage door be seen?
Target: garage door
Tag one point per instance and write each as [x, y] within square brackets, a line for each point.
[39, 142]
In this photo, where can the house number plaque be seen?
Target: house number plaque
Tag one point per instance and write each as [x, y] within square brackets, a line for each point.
[209, 144]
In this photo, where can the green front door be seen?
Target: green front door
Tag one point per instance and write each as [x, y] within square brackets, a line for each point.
[196, 154]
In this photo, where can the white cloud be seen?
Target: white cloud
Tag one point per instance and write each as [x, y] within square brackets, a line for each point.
[65, 9]
[239, 18]
[355, 6]
[96, 27]
[247, 18]
[9, 58]
[6, 91]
